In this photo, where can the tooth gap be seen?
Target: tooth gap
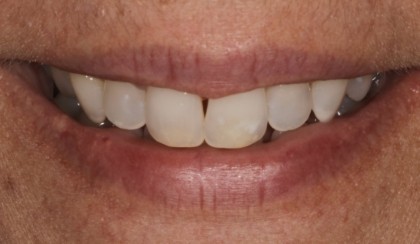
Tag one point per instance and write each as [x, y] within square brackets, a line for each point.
[106, 124]
[146, 134]
[69, 106]
[268, 134]
[56, 92]
[47, 72]
[205, 105]
[312, 119]
[378, 82]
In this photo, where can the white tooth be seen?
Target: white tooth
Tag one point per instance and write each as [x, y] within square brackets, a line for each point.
[90, 93]
[236, 121]
[358, 88]
[289, 106]
[174, 118]
[62, 81]
[327, 97]
[124, 105]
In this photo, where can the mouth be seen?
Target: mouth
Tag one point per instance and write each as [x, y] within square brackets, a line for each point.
[212, 149]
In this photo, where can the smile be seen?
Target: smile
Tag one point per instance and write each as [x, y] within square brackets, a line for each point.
[210, 149]
[181, 119]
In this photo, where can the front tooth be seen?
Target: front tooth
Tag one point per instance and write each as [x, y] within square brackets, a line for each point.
[174, 118]
[236, 121]
[124, 105]
[327, 97]
[358, 88]
[62, 81]
[90, 92]
[289, 106]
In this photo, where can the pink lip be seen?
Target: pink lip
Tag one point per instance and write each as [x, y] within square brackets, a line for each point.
[207, 75]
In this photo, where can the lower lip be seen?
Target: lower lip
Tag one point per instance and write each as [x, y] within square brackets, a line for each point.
[211, 178]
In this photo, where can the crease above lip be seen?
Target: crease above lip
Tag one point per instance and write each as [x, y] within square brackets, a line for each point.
[209, 75]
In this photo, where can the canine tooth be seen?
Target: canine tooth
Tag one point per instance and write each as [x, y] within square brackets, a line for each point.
[69, 105]
[62, 81]
[326, 97]
[124, 105]
[90, 92]
[236, 121]
[358, 88]
[289, 106]
[174, 118]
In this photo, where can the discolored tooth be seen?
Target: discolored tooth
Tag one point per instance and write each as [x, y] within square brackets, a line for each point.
[358, 88]
[174, 118]
[124, 105]
[289, 106]
[62, 81]
[237, 120]
[327, 97]
[90, 92]
[348, 106]
[69, 105]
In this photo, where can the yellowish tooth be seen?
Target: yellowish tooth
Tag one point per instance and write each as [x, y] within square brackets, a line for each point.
[237, 120]
[327, 97]
[289, 106]
[174, 118]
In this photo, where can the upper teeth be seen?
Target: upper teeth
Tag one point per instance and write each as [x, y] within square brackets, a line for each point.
[177, 119]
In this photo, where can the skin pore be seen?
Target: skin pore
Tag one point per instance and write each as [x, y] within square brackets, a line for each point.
[46, 196]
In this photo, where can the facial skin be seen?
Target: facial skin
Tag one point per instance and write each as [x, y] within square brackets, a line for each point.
[46, 196]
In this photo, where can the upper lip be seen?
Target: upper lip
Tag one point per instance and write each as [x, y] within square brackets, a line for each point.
[207, 74]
